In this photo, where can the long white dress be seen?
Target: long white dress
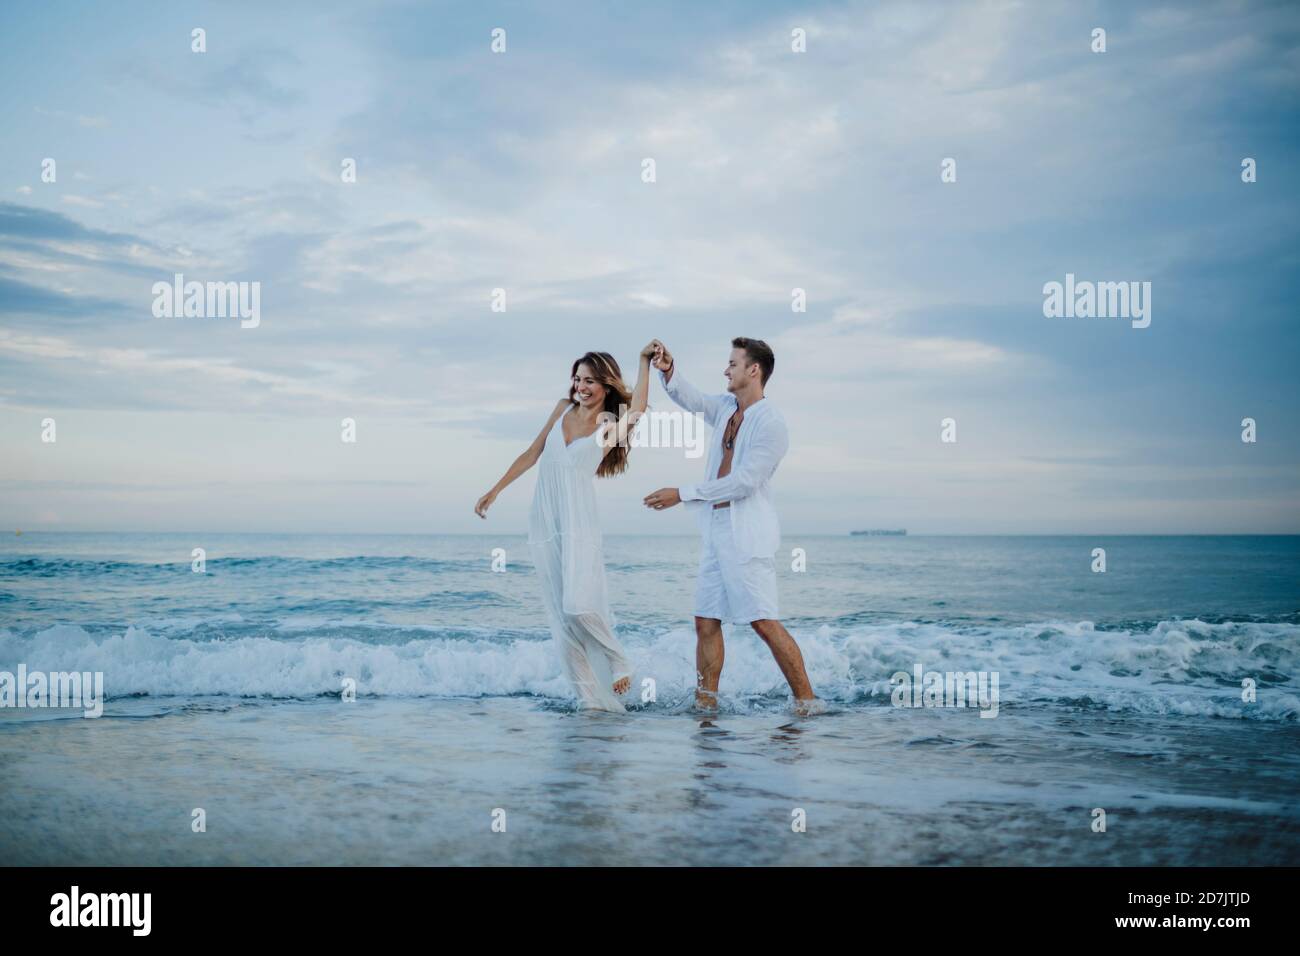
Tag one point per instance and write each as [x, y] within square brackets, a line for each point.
[565, 539]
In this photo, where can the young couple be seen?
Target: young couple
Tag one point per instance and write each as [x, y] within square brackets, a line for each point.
[587, 437]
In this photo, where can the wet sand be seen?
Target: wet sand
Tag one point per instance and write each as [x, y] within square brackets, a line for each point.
[416, 782]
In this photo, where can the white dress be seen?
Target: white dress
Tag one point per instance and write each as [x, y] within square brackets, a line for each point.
[564, 536]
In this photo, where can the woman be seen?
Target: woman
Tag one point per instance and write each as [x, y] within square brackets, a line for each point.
[585, 437]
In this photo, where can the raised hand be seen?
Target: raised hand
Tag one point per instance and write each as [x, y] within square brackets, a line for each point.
[650, 350]
[663, 359]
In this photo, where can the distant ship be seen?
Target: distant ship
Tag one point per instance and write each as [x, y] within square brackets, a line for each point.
[880, 531]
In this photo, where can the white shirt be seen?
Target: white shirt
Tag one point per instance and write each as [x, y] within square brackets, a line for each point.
[761, 443]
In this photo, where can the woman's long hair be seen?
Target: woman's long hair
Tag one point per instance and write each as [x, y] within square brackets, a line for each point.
[617, 396]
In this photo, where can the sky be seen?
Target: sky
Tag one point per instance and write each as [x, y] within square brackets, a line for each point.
[775, 170]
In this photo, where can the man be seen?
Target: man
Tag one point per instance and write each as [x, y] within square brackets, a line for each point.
[734, 509]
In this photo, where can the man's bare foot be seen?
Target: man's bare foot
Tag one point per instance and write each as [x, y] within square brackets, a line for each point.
[706, 700]
[810, 707]
[622, 684]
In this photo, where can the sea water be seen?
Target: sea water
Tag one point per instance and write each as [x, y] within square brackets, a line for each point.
[1161, 692]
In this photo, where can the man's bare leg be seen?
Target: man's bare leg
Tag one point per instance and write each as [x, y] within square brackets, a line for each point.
[788, 658]
[709, 653]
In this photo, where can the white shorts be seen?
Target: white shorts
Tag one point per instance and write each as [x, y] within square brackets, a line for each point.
[728, 589]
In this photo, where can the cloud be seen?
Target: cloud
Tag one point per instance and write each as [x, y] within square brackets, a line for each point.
[29, 222]
[20, 298]
[776, 171]
[244, 81]
[91, 122]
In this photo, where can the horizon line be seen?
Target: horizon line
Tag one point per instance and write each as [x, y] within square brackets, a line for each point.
[18, 533]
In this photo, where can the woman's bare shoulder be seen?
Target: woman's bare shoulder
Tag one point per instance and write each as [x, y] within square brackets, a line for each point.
[558, 411]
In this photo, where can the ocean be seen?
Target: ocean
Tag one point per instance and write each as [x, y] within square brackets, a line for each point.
[1122, 733]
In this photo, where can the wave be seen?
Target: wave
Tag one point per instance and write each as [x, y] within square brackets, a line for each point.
[1179, 667]
[37, 566]
[1191, 668]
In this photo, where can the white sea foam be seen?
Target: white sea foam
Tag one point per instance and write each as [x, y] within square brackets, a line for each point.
[1174, 668]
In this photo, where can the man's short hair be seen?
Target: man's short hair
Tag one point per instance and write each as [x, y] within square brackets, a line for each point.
[756, 350]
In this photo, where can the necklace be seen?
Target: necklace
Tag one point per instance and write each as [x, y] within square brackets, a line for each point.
[733, 426]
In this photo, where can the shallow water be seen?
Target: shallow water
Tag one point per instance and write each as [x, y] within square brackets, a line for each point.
[416, 782]
[1121, 691]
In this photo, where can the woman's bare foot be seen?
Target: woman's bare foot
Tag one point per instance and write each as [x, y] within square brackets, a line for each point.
[622, 684]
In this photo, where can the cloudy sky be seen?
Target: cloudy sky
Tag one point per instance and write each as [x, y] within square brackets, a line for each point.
[775, 170]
